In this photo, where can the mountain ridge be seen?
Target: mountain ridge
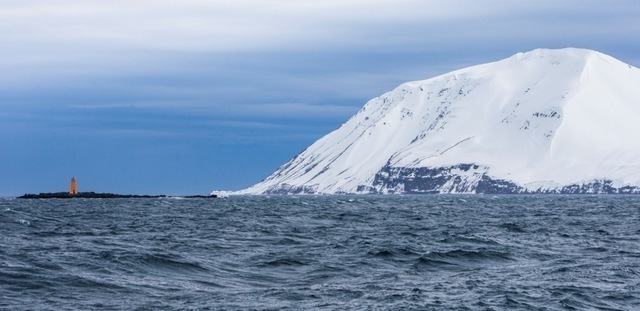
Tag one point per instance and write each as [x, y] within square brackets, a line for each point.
[543, 121]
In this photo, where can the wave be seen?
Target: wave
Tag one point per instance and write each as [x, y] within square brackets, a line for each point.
[395, 253]
[462, 258]
[282, 262]
[175, 263]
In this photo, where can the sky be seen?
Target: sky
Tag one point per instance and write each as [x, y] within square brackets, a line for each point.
[184, 97]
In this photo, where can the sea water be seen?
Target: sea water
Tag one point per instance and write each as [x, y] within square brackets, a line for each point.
[427, 252]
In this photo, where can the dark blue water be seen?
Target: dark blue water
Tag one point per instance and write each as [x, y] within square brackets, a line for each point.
[334, 252]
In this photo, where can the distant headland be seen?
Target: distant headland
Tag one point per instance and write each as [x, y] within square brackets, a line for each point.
[73, 193]
[93, 195]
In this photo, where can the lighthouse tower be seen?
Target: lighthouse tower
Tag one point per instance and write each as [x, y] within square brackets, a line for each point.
[73, 188]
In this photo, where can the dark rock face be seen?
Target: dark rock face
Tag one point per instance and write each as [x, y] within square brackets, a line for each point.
[460, 178]
[470, 178]
[489, 185]
[599, 187]
[285, 189]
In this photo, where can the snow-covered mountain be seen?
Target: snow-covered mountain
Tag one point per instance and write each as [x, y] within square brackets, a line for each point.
[560, 121]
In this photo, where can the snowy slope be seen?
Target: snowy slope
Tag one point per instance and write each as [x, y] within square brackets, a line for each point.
[546, 120]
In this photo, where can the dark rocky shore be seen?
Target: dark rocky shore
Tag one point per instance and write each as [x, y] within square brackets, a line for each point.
[93, 195]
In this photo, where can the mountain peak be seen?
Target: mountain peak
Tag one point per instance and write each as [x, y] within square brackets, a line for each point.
[563, 52]
[576, 56]
[541, 121]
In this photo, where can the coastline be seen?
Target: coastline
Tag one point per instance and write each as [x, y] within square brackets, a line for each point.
[94, 195]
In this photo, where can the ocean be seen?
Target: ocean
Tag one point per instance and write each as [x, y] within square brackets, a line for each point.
[430, 252]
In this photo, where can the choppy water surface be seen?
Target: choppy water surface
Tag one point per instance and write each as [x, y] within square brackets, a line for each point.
[333, 252]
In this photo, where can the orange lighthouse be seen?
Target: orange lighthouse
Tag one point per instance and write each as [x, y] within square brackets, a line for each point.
[72, 187]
